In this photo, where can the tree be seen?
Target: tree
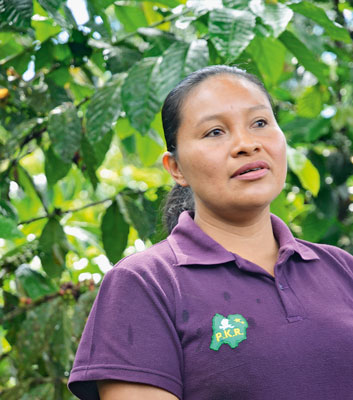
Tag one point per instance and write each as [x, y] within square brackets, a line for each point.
[80, 143]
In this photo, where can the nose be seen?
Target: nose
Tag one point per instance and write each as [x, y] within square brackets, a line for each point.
[244, 143]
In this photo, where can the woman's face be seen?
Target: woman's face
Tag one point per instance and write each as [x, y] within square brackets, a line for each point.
[230, 149]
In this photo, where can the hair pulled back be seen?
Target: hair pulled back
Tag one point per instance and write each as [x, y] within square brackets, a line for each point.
[181, 198]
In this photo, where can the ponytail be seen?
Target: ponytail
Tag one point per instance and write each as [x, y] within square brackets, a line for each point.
[179, 199]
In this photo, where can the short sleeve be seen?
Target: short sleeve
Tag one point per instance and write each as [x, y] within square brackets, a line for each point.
[129, 335]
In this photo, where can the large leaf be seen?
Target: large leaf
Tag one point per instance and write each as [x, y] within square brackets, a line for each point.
[269, 55]
[236, 4]
[138, 94]
[135, 205]
[148, 149]
[315, 226]
[179, 60]
[44, 28]
[60, 337]
[52, 7]
[55, 167]
[115, 232]
[304, 169]
[121, 58]
[231, 31]
[81, 311]
[103, 111]
[317, 14]
[64, 128]
[158, 40]
[8, 229]
[305, 56]
[130, 17]
[273, 14]
[309, 103]
[89, 159]
[54, 246]
[16, 13]
[42, 391]
[34, 284]
[32, 339]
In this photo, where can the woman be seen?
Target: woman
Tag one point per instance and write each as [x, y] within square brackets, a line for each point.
[231, 305]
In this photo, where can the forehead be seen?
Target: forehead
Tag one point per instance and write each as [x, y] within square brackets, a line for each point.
[221, 93]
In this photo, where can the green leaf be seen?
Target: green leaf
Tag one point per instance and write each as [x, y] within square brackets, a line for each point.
[103, 111]
[55, 168]
[143, 221]
[60, 337]
[179, 60]
[279, 207]
[102, 146]
[314, 227]
[168, 3]
[43, 391]
[231, 31]
[141, 108]
[309, 103]
[52, 8]
[115, 232]
[236, 4]
[120, 59]
[196, 57]
[20, 62]
[8, 229]
[44, 28]
[304, 169]
[64, 128]
[32, 338]
[7, 210]
[8, 46]
[34, 284]
[148, 149]
[273, 14]
[269, 55]
[81, 311]
[54, 246]
[305, 56]
[132, 18]
[317, 14]
[90, 161]
[16, 13]
[34, 198]
[159, 40]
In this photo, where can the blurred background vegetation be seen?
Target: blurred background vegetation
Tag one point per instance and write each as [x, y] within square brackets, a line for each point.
[81, 182]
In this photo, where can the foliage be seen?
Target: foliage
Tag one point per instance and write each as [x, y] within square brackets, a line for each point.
[81, 181]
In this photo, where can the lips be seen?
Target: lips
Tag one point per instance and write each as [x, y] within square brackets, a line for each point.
[254, 166]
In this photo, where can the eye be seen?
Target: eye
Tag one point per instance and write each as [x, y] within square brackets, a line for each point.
[214, 132]
[261, 123]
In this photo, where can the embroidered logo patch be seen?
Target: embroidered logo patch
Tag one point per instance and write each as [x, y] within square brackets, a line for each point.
[230, 330]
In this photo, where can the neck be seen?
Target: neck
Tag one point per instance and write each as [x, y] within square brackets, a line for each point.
[243, 234]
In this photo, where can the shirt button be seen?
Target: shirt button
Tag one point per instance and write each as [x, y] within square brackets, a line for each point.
[281, 286]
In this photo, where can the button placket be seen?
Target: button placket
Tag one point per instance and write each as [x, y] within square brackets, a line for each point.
[292, 306]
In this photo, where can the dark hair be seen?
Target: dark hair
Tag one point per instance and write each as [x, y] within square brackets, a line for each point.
[181, 198]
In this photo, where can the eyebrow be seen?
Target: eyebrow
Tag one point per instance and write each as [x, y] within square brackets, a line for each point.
[248, 110]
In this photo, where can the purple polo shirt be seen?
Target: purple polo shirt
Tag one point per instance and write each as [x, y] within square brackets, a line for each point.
[189, 316]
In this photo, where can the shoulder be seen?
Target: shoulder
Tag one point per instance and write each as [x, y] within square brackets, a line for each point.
[156, 263]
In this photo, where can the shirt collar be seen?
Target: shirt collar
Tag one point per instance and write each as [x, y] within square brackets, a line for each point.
[192, 246]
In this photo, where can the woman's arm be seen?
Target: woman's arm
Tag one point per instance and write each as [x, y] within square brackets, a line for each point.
[115, 390]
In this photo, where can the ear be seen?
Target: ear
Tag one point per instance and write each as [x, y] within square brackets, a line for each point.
[171, 164]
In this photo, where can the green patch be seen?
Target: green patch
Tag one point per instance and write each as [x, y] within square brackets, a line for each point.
[230, 330]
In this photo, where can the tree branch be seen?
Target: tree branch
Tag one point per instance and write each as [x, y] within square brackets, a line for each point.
[67, 288]
[59, 212]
